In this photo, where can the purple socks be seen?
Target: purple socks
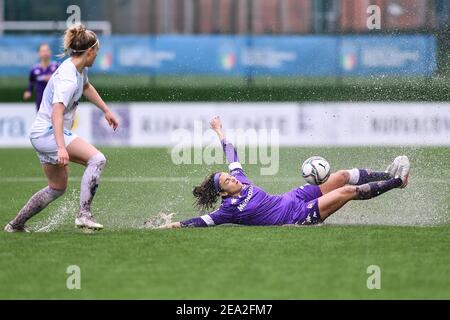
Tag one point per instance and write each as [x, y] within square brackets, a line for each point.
[374, 189]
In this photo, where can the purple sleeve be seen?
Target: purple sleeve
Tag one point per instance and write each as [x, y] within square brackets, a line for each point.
[31, 81]
[220, 216]
[230, 151]
[215, 218]
[233, 160]
[239, 173]
[194, 222]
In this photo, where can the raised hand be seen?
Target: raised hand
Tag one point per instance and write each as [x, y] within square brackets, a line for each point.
[216, 123]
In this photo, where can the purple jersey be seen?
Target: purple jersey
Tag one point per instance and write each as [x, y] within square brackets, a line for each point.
[39, 77]
[255, 207]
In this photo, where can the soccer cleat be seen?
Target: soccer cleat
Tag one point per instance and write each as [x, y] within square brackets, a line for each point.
[87, 222]
[403, 171]
[393, 167]
[10, 229]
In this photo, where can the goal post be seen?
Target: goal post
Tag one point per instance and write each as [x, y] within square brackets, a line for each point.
[103, 27]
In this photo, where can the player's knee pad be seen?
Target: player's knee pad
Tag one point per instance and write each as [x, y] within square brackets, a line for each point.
[98, 160]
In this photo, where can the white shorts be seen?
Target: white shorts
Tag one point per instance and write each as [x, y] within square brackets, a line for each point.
[46, 147]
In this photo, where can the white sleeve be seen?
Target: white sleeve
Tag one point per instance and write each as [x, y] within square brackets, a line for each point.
[64, 90]
[208, 220]
[234, 166]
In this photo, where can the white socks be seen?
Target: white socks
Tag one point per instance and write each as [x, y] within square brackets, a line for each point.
[354, 176]
[90, 181]
[38, 202]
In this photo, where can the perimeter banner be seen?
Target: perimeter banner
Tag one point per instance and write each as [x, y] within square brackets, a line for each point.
[250, 124]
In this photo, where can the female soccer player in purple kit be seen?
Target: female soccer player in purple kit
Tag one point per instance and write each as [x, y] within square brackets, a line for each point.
[40, 74]
[247, 204]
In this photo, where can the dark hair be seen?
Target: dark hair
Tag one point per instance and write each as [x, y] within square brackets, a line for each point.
[205, 194]
[42, 44]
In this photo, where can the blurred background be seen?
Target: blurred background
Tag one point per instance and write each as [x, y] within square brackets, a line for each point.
[298, 44]
[240, 16]
[244, 51]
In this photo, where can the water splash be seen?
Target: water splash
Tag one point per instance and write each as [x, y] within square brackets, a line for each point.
[62, 214]
[160, 220]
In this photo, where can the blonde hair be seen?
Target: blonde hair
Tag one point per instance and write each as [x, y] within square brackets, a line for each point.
[77, 40]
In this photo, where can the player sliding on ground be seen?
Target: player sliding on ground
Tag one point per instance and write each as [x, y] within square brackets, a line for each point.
[247, 204]
[50, 134]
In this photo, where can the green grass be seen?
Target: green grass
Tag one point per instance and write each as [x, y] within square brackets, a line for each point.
[263, 89]
[183, 81]
[405, 232]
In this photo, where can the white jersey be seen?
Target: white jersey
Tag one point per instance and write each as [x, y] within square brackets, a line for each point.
[66, 87]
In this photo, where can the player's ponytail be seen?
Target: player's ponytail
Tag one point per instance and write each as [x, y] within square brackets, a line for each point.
[78, 40]
[205, 194]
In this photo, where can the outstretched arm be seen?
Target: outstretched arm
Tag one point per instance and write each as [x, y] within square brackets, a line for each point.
[173, 225]
[191, 223]
[228, 148]
[230, 151]
[218, 217]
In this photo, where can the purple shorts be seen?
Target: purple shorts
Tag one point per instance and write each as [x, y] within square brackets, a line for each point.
[309, 212]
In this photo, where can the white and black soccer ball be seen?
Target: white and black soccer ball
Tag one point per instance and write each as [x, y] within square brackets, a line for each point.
[316, 170]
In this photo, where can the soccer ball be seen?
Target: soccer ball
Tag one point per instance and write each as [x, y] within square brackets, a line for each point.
[316, 170]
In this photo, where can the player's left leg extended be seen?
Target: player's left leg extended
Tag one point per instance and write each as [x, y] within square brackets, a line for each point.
[85, 154]
[57, 183]
[358, 177]
[352, 177]
[336, 199]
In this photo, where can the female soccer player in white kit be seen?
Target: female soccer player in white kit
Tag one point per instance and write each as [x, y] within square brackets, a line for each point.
[50, 134]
